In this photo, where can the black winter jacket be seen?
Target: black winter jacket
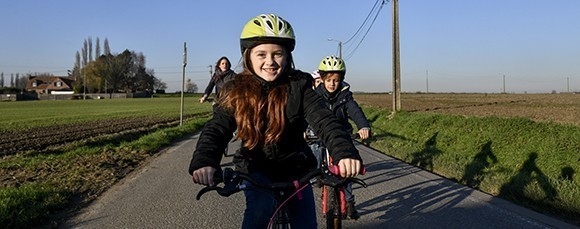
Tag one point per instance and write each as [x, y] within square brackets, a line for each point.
[344, 106]
[290, 157]
[218, 80]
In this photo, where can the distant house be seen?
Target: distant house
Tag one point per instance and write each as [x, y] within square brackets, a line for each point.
[50, 85]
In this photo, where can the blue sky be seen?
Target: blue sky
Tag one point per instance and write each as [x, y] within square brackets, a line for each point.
[458, 45]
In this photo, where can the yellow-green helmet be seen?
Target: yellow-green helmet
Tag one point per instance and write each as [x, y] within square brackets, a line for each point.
[332, 64]
[267, 28]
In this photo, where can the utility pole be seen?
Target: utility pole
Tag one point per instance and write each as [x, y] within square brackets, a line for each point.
[396, 59]
[340, 49]
[568, 84]
[183, 82]
[339, 46]
[504, 83]
[427, 80]
[85, 84]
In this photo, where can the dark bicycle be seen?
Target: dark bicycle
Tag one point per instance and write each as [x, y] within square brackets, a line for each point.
[284, 191]
[333, 197]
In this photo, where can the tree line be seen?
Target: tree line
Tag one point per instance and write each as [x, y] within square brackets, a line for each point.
[110, 73]
[104, 73]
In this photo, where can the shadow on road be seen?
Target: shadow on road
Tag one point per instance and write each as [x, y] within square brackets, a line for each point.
[417, 199]
[387, 170]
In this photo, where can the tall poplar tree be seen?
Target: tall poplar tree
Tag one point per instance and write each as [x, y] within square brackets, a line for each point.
[90, 49]
[107, 50]
[97, 49]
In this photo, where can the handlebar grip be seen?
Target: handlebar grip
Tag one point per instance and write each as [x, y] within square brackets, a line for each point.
[335, 170]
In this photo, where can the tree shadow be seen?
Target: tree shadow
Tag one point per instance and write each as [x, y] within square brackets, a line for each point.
[424, 158]
[529, 172]
[475, 171]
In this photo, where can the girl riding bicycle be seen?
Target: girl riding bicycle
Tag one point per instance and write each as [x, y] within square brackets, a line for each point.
[269, 103]
[222, 74]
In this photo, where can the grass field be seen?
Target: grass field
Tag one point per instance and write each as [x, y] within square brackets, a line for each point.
[523, 148]
[105, 140]
[21, 115]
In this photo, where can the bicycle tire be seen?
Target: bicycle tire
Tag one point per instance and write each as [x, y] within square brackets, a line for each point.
[333, 212]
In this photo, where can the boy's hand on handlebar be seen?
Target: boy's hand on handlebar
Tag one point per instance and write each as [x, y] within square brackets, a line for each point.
[364, 133]
[204, 176]
[349, 167]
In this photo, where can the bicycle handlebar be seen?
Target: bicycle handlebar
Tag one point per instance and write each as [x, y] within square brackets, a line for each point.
[315, 138]
[233, 179]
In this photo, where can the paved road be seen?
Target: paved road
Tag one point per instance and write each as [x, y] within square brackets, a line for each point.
[161, 195]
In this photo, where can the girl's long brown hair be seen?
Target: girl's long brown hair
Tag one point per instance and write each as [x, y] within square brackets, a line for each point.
[260, 116]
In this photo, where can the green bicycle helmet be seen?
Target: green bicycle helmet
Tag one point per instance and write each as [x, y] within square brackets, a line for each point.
[332, 64]
[267, 28]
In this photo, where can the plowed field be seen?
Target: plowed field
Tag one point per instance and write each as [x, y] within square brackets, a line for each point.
[558, 108]
[44, 139]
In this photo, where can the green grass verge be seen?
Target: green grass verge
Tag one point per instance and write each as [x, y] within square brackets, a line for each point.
[532, 164]
[26, 114]
[62, 180]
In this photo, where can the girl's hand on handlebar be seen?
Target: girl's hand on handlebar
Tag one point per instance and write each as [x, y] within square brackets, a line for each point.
[349, 167]
[204, 175]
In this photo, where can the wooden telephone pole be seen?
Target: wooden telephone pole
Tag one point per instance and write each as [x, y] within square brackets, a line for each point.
[183, 83]
[396, 59]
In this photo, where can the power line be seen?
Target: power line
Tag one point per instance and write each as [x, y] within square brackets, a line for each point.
[369, 29]
[181, 72]
[364, 22]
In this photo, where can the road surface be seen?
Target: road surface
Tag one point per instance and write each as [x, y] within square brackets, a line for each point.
[162, 195]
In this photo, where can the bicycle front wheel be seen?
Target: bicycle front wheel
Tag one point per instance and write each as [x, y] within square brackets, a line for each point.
[333, 212]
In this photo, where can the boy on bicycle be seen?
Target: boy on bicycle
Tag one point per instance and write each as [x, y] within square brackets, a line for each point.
[338, 98]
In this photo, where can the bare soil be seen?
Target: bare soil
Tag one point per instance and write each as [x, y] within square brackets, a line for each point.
[557, 108]
[45, 139]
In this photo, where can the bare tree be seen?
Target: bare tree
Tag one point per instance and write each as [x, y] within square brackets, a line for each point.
[159, 85]
[21, 81]
[191, 87]
[107, 50]
[97, 49]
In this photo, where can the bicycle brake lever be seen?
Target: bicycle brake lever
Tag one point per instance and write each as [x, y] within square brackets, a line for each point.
[230, 188]
[358, 181]
[206, 189]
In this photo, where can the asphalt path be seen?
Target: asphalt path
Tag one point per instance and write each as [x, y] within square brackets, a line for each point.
[162, 195]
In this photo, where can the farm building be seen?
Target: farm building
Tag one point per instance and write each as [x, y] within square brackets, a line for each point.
[50, 85]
